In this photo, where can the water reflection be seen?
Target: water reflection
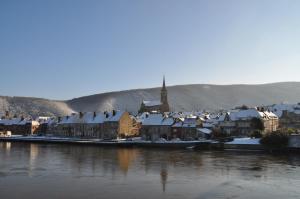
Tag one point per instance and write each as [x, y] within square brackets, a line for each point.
[5, 145]
[136, 172]
[126, 158]
[164, 178]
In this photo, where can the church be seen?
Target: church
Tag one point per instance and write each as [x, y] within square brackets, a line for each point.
[161, 105]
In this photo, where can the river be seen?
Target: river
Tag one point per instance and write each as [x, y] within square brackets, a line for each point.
[50, 171]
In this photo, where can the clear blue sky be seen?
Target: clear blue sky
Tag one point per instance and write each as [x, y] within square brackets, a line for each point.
[61, 49]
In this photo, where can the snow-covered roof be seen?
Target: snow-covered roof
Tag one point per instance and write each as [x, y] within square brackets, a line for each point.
[114, 117]
[270, 114]
[140, 118]
[158, 119]
[72, 119]
[245, 114]
[279, 108]
[152, 103]
[18, 121]
[189, 125]
[50, 121]
[93, 118]
[249, 113]
[186, 123]
[178, 124]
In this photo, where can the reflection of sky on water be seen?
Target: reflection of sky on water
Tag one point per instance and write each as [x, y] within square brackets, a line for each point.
[147, 173]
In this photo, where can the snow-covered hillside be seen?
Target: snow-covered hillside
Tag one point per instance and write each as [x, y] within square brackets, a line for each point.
[183, 97]
[33, 106]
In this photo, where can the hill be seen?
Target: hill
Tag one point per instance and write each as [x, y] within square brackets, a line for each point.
[181, 98]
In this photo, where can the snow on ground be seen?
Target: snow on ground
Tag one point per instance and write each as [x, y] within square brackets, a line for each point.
[244, 141]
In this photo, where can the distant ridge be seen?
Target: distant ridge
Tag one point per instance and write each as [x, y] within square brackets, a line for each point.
[181, 98]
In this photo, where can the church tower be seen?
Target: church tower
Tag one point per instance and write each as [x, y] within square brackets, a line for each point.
[164, 98]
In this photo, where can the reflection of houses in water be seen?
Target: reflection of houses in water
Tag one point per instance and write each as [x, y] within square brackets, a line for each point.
[5, 145]
[125, 158]
[164, 177]
[33, 155]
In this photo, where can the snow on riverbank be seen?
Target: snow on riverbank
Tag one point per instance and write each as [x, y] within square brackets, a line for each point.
[254, 141]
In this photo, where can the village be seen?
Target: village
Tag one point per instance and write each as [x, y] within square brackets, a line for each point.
[156, 123]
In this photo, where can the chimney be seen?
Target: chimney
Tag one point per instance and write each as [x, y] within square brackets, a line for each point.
[59, 119]
[114, 112]
[7, 114]
[95, 114]
[284, 113]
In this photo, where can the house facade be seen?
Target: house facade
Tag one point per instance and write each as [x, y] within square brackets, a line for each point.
[19, 125]
[245, 122]
[289, 115]
[185, 129]
[156, 126]
[106, 125]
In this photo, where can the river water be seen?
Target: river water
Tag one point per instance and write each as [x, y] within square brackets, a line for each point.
[49, 171]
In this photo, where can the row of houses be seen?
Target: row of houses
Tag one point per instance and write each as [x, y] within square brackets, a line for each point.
[101, 125]
[154, 126]
[18, 125]
[169, 126]
[241, 122]
[245, 122]
[97, 125]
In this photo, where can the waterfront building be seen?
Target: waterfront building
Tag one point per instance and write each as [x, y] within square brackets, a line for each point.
[19, 125]
[156, 126]
[243, 122]
[289, 115]
[104, 125]
[185, 129]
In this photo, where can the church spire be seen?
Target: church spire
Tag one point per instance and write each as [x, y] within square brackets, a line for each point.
[164, 98]
[164, 83]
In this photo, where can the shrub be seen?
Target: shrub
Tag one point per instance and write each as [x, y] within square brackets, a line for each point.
[291, 131]
[257, 124]
[275, 140]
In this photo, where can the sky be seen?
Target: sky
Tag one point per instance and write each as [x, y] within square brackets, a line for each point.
[61, 49]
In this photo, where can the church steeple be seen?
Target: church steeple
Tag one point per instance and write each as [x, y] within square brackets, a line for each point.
[164, 97]
[164, 83]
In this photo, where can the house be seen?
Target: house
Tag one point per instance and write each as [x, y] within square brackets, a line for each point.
[45, 124]
[136, 126]
[70, 126]
[185, 129]
[289, 115]
[156, 126]
[5, 133]
[244, 122]
[118, 124]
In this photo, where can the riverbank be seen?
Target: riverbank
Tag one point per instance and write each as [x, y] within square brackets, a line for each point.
[240, 144]
[112, 143]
